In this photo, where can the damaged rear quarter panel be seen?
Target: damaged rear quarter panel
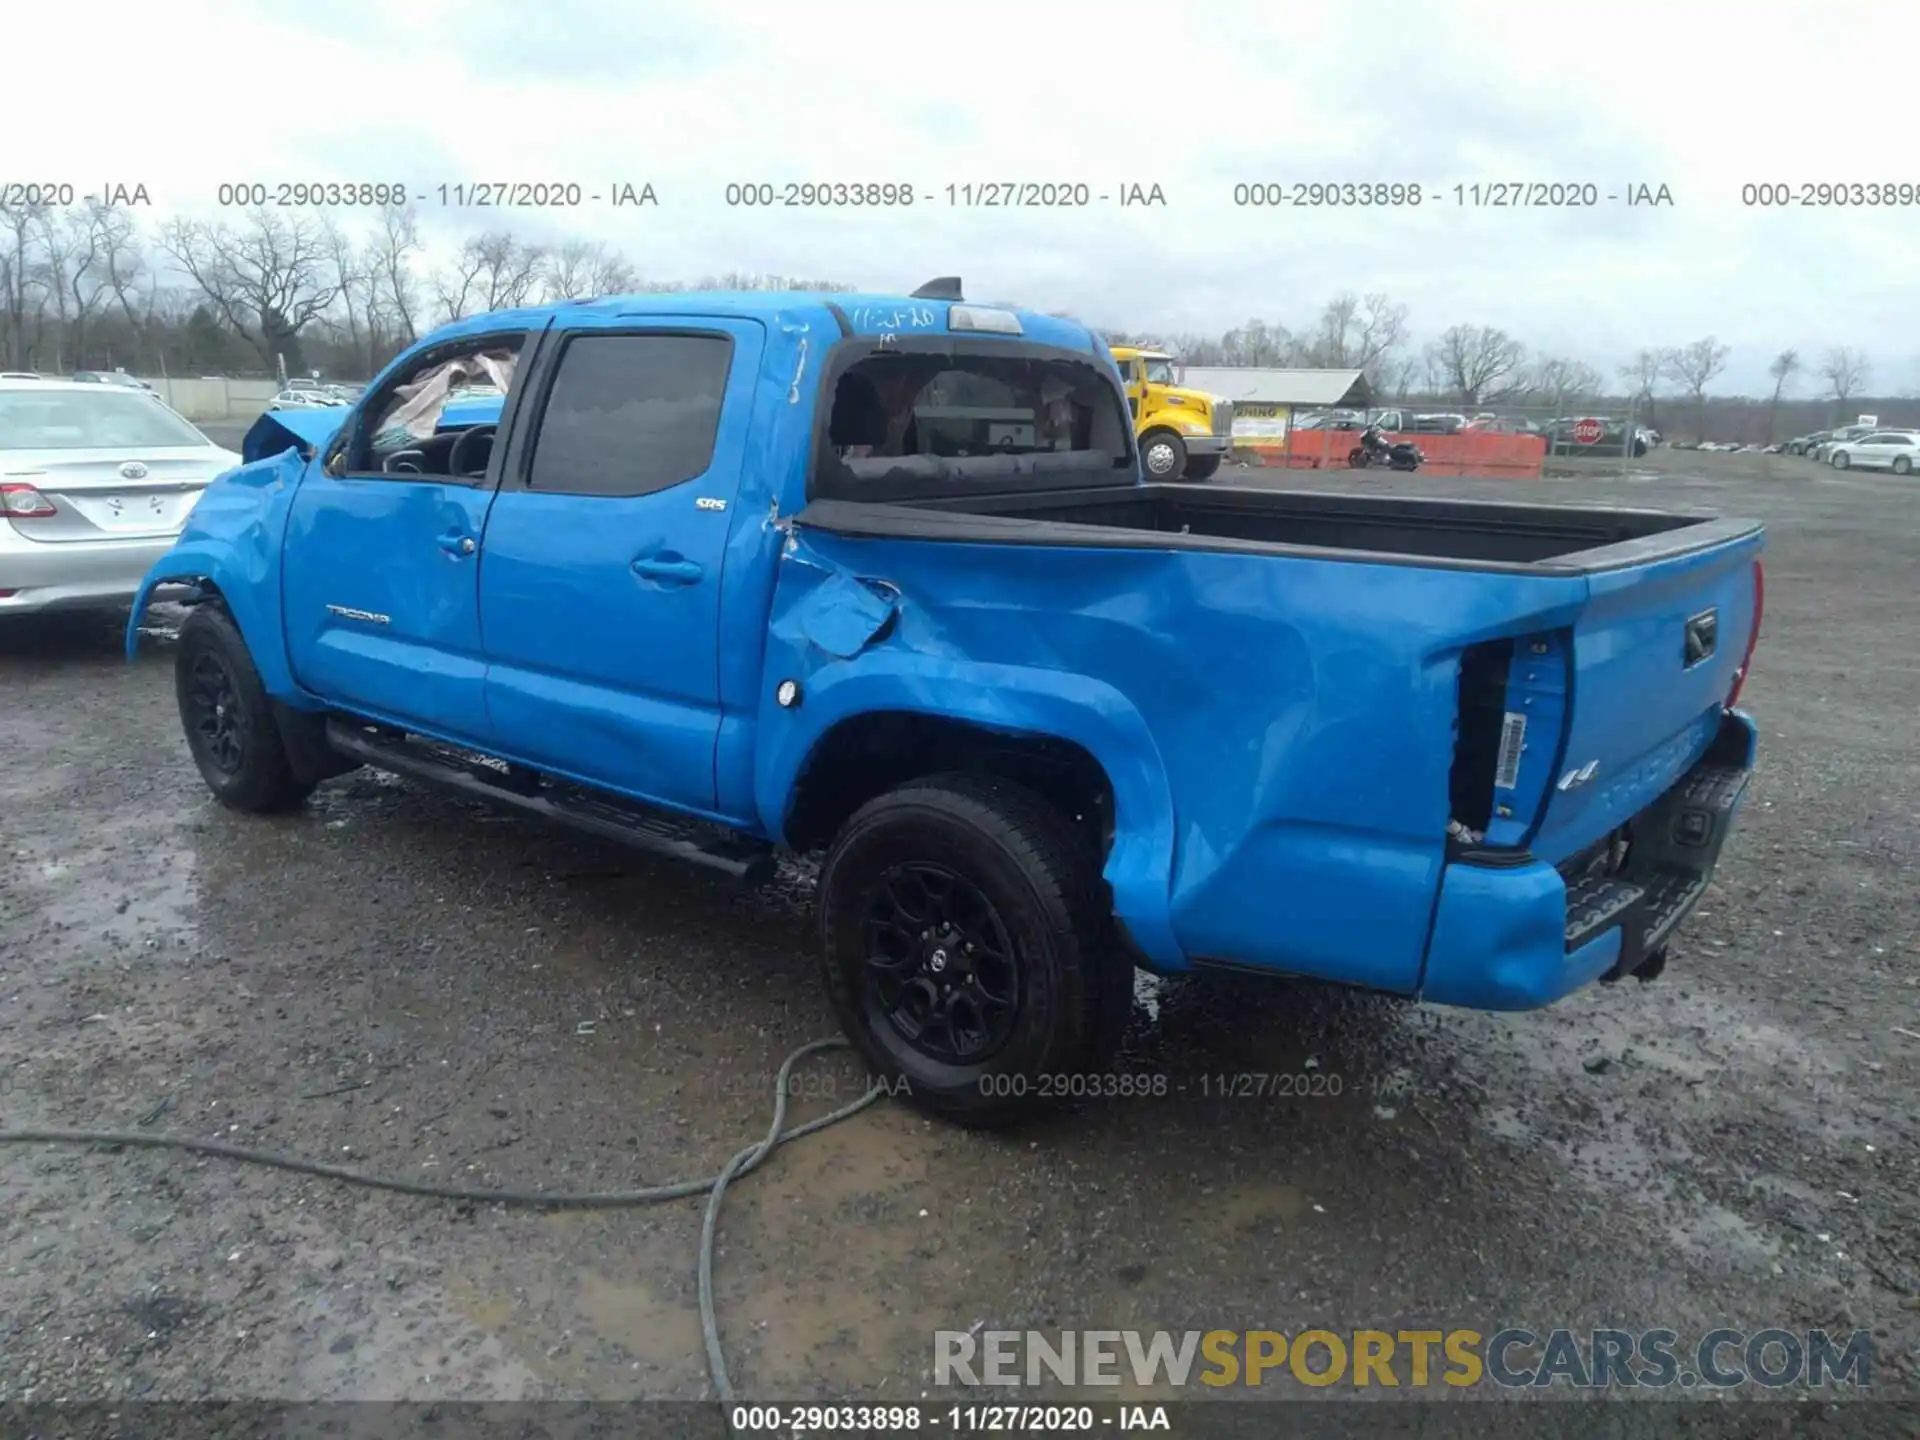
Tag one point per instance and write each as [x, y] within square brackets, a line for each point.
[1278, 730]
[232, 540]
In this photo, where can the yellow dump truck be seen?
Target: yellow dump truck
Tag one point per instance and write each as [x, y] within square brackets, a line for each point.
[1184, 434]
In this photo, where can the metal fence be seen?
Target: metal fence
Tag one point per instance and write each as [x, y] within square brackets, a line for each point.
[1521, 441]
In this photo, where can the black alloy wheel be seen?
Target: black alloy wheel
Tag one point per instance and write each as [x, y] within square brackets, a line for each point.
[215, 711]
[228, 721]
[941, 967]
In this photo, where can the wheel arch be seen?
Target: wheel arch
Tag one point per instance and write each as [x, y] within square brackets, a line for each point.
[876, 723]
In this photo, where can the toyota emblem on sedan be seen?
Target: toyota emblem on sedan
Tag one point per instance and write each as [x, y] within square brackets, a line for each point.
[133, 470]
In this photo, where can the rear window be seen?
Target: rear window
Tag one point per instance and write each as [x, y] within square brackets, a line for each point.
[106, 418]
[901, 423]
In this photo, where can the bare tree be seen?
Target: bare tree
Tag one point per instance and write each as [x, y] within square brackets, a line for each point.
[268, 280]
[493, 271]
[19, 262]
[1694, 367]
[1845, 370]
[581, 269]
[1258, 343]
[356, 281]
[394, 244]
[1402, 375]
[123, 265]
[1357, 334]
[1559, 383]
[1784, 367]
[1643, 375]
[1474, 360]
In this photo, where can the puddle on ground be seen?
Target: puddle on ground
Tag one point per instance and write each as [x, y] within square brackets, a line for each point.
[1665, 1063]
[131, 882]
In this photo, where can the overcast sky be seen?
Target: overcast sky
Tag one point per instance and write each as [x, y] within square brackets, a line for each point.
[1701, 97]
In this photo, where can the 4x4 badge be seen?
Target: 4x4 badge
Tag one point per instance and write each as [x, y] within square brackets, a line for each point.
[1574, 779]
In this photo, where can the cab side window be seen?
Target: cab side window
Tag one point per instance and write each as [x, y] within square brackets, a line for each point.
[630, 414]
[415, 426]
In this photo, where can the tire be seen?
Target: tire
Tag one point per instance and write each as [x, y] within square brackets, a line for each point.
[1021, 881]
[1840, 460]
[1356, 459]
[1163, 455]
[1202, 467]
[229, 725]
[1901, 465]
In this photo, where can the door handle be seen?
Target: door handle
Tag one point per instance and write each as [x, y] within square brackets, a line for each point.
[668, 569]
[454, 543]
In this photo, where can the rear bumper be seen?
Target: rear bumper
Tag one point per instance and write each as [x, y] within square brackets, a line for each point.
[1517, 934]
[42, 575]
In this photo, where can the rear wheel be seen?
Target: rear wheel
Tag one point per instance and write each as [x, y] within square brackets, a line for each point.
[965, 949]
[1202, 467]
[229, 725]
[1164, 454]
[1901, 465]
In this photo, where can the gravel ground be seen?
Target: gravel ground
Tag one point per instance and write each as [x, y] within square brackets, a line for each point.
[414, 985]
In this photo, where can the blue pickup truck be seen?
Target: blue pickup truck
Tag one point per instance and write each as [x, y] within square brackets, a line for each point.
[726, 575]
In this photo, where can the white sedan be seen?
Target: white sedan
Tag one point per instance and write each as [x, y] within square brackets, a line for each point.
[96, 482]
[1895, 450]
[306, 400]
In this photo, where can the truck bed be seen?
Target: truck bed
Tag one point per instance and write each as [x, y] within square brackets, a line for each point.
[1471, 534]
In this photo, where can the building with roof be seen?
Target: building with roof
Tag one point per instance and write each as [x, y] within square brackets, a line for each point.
[1265, 401]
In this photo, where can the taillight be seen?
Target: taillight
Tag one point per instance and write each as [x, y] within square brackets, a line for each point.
[23, 502]
[1759, 607]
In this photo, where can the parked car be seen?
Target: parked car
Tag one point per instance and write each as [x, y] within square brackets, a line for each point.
[1895, 450]
[1504, 425]
[95, 483]
[1802, 444]
[18, 375]
[1331, 420]
[1823, 452]
[110, 377]
[306, 400]
[1045, 719]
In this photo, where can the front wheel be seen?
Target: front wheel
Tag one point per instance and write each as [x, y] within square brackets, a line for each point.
[1164, 454]
[1840, 461]
[1356, 459]
[230, 728]
[962, 937]
[1202, 467]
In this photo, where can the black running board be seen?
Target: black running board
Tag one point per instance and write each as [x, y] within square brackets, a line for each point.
[470, 773]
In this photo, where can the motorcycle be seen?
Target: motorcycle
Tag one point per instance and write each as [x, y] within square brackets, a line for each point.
[1373, 450]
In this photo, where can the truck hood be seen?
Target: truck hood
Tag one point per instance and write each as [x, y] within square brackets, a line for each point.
[278, 430]
[1202, 397]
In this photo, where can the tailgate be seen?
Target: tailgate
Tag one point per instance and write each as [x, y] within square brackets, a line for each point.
[1601, 720]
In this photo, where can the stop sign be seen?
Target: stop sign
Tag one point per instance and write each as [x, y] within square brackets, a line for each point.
[1589, 431]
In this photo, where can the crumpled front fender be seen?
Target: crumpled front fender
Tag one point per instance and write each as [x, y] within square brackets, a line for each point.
[231, 545]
